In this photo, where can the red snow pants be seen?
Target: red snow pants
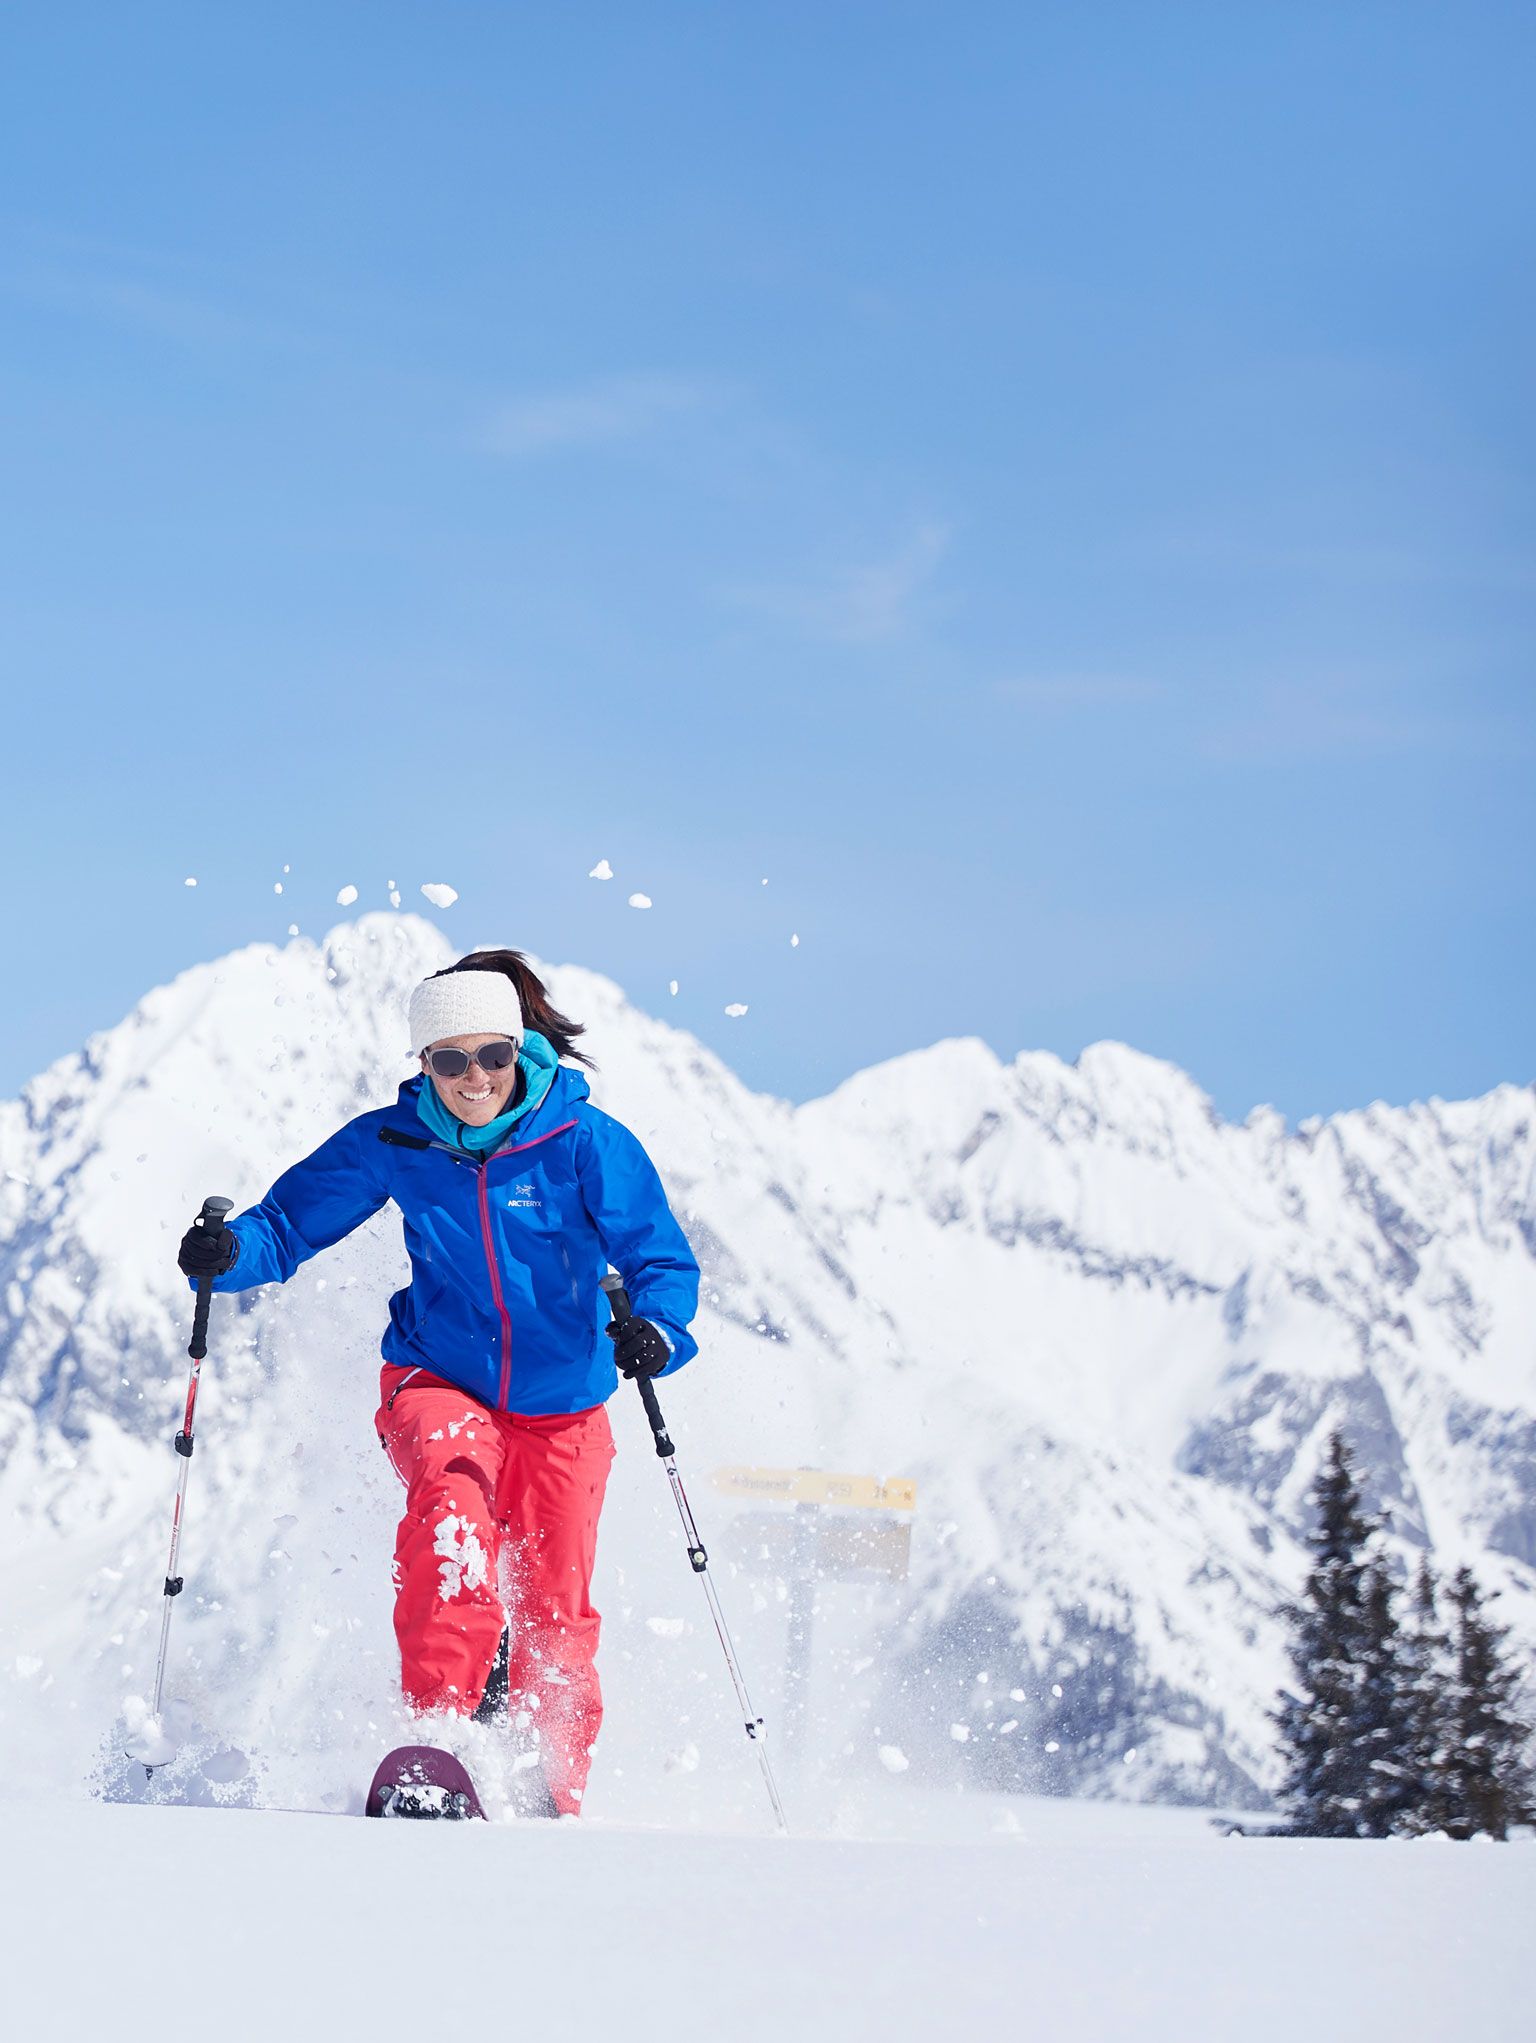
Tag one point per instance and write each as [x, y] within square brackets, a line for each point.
[492, 1495]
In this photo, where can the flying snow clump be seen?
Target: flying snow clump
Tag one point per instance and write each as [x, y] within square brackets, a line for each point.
[737, 1007]
[893, 1759]
[639, 900]
[439, 895]
[672, 987]
[601, 871]
[189, 883]
[346, 897]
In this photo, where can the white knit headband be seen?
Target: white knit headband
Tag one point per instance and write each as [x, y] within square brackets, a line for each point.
[465, 1004]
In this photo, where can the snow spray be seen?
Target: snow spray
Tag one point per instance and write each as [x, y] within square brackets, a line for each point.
[698, 1559]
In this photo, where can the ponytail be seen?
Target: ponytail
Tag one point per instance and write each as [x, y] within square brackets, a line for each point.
[539, 1012]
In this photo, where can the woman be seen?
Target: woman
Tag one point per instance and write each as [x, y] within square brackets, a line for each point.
[517, 1194]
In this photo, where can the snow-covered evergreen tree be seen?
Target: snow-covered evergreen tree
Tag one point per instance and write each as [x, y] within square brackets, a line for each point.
[1487, 1774]
[1327, 1786]
[1383, 1722]
[1427, 1658]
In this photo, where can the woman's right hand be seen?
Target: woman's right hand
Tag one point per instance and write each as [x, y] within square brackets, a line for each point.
[207, 1253]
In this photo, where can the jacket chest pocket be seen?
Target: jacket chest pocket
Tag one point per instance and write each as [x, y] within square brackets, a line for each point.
[529, 1209]
[538, 1209]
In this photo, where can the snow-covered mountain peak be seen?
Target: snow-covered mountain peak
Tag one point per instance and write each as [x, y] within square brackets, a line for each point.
[935, 1099]
[1119, 1096]
[382, 956]
[1118, 1073]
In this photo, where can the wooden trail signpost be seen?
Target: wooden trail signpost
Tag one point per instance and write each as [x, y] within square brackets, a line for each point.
[828, 1532]
[814, 1486]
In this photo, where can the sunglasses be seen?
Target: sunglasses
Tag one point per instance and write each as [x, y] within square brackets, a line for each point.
[490, 1057]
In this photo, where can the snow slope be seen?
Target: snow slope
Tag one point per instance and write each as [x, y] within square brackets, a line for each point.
[1097, 1923]
[1105, 1331]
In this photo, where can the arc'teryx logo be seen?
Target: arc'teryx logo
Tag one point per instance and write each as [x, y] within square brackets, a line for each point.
[522, 1195]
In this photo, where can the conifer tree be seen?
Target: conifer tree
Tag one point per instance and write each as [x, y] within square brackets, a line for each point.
[1427, 1655]
[1488, 1781]
[1326, 1790]
[1382, 1729]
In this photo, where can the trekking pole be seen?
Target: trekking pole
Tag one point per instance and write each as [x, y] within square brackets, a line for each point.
[212, 1218]
[618, 1305]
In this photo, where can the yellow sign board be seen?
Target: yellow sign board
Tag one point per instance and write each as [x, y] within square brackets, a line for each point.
[813, 1486]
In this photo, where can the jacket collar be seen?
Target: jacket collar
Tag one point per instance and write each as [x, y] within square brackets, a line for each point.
[567, 1089]
[537, 1064]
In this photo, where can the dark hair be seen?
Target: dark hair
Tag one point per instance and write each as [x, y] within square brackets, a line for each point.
[539, 1012]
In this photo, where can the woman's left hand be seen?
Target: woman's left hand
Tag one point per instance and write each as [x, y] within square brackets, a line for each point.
[639, 1349]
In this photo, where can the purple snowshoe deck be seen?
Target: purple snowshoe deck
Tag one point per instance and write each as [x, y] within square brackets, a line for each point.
[422, 1781]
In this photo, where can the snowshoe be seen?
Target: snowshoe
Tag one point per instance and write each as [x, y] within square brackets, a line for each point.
[422, 1781]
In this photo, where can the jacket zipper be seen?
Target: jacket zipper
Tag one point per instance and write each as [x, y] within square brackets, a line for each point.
[513, 1147]
[482, 1178]
[389, 1405]
[490, 1263]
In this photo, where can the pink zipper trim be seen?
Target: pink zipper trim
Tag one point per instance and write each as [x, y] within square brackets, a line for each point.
[504, 1401]
[490, 1261]
[516, 1146]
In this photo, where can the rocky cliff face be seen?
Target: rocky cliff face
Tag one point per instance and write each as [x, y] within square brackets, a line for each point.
[1106, 1332]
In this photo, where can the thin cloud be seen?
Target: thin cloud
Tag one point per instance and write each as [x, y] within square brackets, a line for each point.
[877, 601]
[1352, 564]
[1079, 691]
[132, 301]
[192, 302]
[1307, 722]
[598, 413]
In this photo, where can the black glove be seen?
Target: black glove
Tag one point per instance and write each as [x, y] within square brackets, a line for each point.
[639, 1349]
[207, 1252]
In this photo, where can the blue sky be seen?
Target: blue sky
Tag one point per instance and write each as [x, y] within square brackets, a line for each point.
[1050, 487]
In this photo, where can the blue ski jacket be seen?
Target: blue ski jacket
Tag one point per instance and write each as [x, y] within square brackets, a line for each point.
[507, 1253]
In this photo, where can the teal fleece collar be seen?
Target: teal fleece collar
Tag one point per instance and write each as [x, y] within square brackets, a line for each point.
[536, 1059]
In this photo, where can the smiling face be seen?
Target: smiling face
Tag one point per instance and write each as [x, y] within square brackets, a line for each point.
[478, 1096]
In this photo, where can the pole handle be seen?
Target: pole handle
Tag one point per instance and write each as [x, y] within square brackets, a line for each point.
[211, 1218]
[619, 1306]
